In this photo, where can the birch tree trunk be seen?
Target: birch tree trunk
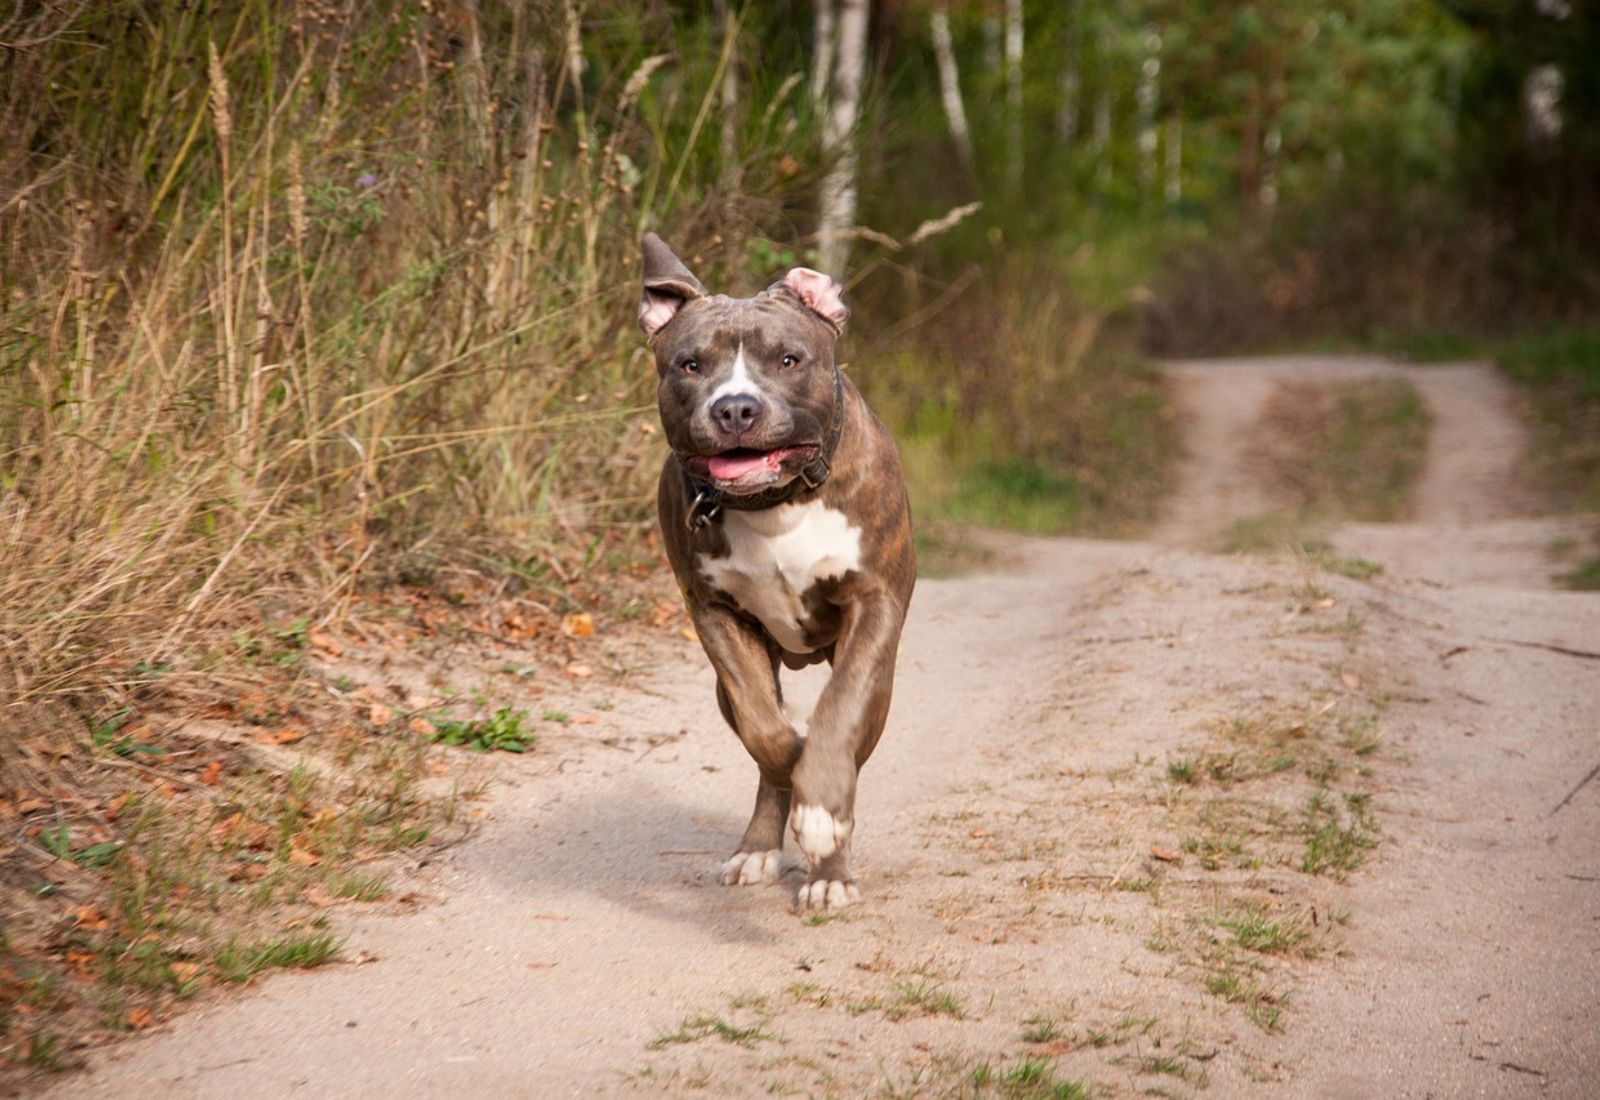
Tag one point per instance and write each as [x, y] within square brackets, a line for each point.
[1147, 96]
[822, 47]
[1071, 80]
[950, 84]
[838, 211]
[730, 97]
[1101, 142]
[1174, 189]
[1014, 93]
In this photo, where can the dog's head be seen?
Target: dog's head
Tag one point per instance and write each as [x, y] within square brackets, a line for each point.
[746, 385]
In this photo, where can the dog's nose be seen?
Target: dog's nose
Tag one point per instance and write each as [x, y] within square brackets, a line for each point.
[737, 413]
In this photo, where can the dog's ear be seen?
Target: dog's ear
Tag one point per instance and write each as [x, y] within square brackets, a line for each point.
[668, 285]
[818, 293]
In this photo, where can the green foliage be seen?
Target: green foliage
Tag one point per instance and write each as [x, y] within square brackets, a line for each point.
[239, 962]
[1336, 843]
[502, 731]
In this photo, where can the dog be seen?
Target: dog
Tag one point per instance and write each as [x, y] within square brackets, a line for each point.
[783, 511]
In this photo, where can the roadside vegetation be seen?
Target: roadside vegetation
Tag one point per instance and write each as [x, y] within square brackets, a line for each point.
[1560, 372]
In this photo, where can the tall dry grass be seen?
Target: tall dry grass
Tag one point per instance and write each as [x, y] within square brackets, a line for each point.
[293, 292]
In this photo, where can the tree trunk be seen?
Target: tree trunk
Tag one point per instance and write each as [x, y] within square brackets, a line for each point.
[730, 97]
[838, 211]
[1174, 188]
[1014, 94]
[1148, 96]
[1071, 80]
[1101, 142]
[822, 47]
[950, 85]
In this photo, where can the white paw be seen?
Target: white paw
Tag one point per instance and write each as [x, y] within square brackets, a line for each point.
[822, 894]
[818, 832]
[752, 868]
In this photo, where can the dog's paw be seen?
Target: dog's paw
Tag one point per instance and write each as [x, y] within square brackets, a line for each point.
[818, 833]
[752, 868]
[825, 895]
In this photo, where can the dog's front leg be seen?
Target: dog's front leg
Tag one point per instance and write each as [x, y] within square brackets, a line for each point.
[844, 730]
[747, 691]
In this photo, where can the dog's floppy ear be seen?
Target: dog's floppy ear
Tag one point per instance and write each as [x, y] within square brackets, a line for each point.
[818, 293]
[668, 285]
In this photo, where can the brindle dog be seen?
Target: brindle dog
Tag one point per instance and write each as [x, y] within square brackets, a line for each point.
[784, 511]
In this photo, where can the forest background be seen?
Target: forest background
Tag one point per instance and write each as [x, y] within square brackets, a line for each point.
[307, 296]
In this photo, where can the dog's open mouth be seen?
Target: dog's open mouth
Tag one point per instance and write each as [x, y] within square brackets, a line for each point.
[747, 464]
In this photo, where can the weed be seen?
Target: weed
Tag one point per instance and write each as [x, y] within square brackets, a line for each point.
[1167, 1065]
[360, 887]
[1362, 736]
[1260, 1005]
[1040, 1028]
[925, 999]
[1336, 844]
[695, 1028]
[58, 842]
[239, 962]
[1185, 769]
[1255, 931]
[501, 731]
[47, 1052]
[1029, 1079]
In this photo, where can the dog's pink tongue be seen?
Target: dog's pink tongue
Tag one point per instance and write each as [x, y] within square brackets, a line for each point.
[730, 467]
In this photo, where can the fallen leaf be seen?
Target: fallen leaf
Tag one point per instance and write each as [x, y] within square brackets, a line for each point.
[380, 714]
[1166, 855]
[421, 726]
[579, 671]
[212, 773]
[689, 633]
[246, 872]
[326, 642]
[977, 834]
[1350, 680]
[81, 960]
[88, 917]
[140, 1018]
[288, 735]
[578, 624]
[1325, 602]
[302, 858]
[586, 719]
[187, 971]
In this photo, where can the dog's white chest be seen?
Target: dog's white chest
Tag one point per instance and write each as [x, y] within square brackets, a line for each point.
[774, 558]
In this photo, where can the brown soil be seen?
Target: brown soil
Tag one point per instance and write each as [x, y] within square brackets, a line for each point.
[1098, 764]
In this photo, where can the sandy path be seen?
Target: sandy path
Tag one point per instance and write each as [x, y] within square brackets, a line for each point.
[580, 946]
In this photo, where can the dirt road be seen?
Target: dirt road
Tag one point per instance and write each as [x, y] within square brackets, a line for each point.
[1144, 818]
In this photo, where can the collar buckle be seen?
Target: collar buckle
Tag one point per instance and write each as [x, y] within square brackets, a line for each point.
[702, 513]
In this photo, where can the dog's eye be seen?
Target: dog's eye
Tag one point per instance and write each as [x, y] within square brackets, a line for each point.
[690, 366]
[791, 360]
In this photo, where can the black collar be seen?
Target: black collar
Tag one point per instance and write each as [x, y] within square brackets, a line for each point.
[707, 501]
